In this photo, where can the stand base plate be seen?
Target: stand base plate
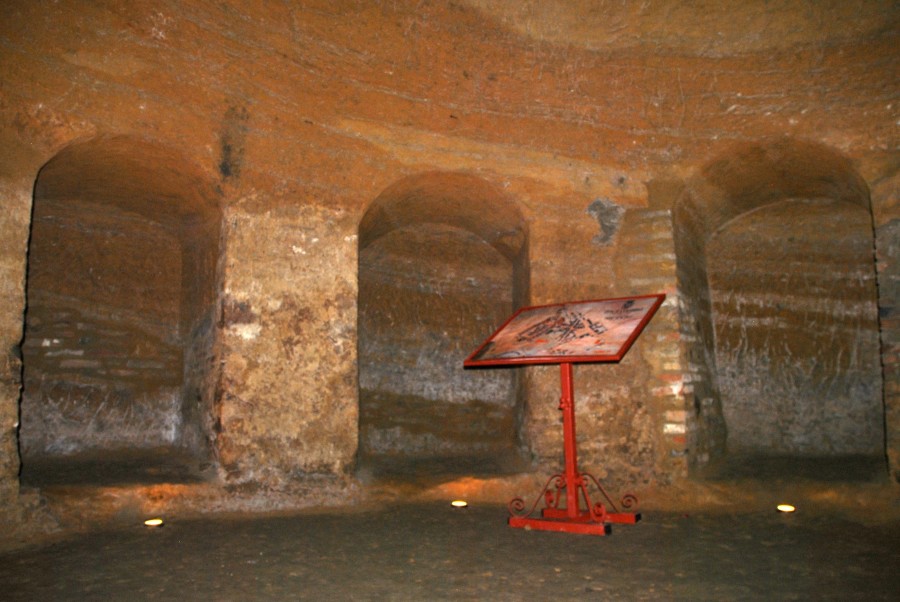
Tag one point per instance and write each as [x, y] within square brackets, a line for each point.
[558, 519]
[560, 526]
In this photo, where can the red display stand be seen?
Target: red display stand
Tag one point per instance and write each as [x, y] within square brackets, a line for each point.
[582, 332]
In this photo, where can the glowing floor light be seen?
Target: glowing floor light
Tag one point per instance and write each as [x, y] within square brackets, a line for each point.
[459, 503]
[153, 522]
[786, 508]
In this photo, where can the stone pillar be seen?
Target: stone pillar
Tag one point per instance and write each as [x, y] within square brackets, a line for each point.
[287, 399]
[16, 200]
[887, 244]
[883, 178]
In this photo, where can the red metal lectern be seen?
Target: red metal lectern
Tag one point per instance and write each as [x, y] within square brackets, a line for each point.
[564, 334]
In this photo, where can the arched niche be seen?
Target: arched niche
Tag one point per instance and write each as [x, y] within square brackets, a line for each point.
[775, 262]
[121, 291]
[442, 262]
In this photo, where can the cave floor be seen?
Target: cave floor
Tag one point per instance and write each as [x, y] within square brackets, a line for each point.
[431, 551]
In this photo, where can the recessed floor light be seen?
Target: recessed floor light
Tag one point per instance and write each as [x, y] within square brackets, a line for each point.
[153, 522]
[786, 508]
[459, 503]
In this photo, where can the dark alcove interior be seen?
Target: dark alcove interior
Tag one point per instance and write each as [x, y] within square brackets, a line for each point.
[797, 351]
[437, 274]
[776, 264]
[121, 291]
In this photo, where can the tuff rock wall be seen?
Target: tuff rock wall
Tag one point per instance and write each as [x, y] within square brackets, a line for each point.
[600, 124]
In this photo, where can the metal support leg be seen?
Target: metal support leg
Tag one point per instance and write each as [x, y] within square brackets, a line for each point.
[594, 518]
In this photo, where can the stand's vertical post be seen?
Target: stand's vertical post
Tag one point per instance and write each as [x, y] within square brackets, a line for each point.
[567, 405]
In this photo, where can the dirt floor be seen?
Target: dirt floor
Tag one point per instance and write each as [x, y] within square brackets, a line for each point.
[400, 539]
[432, 551]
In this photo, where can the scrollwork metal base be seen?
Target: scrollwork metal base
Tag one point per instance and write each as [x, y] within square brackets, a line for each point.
[571, 510]
[564, 494]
